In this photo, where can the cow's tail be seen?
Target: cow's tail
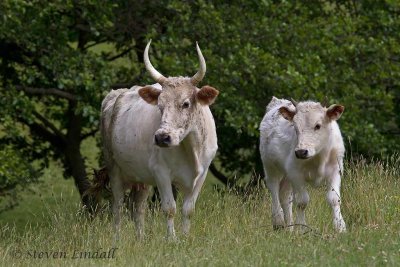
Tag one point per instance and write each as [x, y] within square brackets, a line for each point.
[100, 184]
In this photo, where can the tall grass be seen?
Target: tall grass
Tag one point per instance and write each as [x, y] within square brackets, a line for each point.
[229, 229]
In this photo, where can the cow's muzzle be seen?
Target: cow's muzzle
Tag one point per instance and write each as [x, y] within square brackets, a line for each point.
[162, 139]
[302, 153]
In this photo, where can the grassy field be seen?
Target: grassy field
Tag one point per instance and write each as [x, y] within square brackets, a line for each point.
[226, 229]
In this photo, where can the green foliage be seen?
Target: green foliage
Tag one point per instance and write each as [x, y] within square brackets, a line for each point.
[15, 174]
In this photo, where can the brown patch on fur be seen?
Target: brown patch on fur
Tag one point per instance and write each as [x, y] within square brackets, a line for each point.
[138, 187]
[334, 112]
[149, 94]
[100, 183]
[286, 113]
[207, 95]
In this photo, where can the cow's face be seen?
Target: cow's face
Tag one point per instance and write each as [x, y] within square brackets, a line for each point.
[179, 102]
[312, 124]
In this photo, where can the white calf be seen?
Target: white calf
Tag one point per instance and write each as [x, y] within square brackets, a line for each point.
[299, 143]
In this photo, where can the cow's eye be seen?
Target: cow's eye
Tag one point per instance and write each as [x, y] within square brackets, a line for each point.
[185, 104]
[317, 127]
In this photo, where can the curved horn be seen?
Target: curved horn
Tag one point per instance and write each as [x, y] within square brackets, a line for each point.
[158, 77]
[293, 102]
[202, 70]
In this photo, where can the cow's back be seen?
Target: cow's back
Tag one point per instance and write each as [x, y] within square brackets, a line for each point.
[127, 125]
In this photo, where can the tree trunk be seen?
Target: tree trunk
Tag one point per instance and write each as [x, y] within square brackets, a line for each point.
[75, 166]
[74, 163]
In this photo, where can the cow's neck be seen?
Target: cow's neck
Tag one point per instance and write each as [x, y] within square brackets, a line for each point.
[192, 148]
[195, 141]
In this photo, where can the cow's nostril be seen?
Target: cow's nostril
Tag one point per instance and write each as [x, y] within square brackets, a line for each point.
[162, 139]
[167, 139]
[301, 153]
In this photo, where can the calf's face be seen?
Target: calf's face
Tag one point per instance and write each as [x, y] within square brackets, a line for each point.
[179, 102]
[312, 125]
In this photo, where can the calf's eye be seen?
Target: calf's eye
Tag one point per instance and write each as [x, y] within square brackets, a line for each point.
[185, 104]
[317, 127]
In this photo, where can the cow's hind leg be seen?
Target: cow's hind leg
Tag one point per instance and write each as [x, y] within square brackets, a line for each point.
[117, 189]
[286, 199]
[138, 196]
[272, 180]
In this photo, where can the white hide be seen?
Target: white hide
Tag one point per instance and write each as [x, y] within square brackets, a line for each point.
[285, 174]
[128, 129]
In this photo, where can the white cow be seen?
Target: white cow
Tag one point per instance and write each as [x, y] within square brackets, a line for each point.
[159, 135]
[299, 143]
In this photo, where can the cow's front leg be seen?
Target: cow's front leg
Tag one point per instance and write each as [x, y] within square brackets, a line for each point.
[301, 199]
[189, 202]
[333, 198]
[168, 204]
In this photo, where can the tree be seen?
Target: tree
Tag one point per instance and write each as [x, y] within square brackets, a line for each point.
[52, 82]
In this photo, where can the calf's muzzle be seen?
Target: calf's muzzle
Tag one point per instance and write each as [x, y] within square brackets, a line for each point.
[301, 153]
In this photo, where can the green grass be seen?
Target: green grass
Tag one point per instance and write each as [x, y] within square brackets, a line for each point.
[226, 229]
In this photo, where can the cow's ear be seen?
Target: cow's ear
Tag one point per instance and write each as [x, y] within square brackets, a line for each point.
[207, 95]
[287, 113]
[334, 112]
[150, 94]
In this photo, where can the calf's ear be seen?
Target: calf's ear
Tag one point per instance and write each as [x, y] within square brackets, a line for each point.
[150, 94]
[207, 95]
[334, 112]
[287, 113]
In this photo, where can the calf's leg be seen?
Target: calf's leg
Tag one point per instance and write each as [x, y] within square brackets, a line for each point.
[272, 181]
[301, 198]
[333, 198]
[286, 199]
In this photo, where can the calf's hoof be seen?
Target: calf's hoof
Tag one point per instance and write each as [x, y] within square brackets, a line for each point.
[278, 227]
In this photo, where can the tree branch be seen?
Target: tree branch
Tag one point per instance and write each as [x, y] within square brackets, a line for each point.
[91, 133]
[39, 130]
[47, 91]
[48, 124]
[123, 53]
[129, 84]
[100, 41]
[121, 85]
